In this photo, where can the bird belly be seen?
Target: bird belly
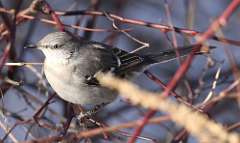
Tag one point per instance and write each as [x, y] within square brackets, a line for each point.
[74, 90]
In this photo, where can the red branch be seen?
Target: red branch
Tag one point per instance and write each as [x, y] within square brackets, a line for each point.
[221, 21]
[150, 113]
[161, 27]
[139, 129]
[158, 81]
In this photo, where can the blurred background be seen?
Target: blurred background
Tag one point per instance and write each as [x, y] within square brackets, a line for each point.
[24, 89]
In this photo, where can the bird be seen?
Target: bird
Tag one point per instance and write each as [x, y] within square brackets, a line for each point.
[72, 62]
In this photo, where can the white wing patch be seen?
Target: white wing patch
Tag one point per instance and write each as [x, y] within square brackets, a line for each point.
[98, 46]
[118, 61]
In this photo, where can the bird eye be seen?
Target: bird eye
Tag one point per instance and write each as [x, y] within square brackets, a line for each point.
[55, 46]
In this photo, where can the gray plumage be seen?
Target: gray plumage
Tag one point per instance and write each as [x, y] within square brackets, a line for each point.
[72, 62]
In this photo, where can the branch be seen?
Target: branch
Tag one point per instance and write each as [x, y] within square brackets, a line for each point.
[161, 27]
[97, 131]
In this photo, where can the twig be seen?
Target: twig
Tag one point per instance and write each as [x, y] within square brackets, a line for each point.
[161, 84]
[234, 126]
[173, 33]
[44, 7]
[144, 44]
[139, 129]
[39, 111]
[8, 132]
[95, 4]
[65, 25]
[22, 64]
[4, 57]
[210, 94]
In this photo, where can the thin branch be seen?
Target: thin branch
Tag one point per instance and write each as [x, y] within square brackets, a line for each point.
[97, 131]
[8, 133]
[161, 27]
[44, 7]
[139, 129]
[22, 64]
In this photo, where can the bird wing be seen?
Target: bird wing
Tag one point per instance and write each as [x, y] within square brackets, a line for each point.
[127, 61]
[120, 63]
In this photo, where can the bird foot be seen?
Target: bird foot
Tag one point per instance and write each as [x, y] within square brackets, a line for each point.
[87, 116]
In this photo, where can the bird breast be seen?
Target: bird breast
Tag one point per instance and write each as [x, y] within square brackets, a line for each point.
[70, 86]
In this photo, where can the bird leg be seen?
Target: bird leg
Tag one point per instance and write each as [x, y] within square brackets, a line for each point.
[83, 116]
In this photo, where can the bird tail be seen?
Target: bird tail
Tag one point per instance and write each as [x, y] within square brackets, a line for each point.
[169, 55]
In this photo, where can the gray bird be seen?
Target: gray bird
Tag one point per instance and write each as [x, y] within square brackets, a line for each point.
[72, 62]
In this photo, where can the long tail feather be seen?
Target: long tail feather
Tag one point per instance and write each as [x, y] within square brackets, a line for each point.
[170, 54]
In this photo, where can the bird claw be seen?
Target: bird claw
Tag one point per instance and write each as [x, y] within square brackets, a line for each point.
[83, 116]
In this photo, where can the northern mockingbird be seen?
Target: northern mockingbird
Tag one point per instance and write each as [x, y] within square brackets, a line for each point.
[72, 62]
